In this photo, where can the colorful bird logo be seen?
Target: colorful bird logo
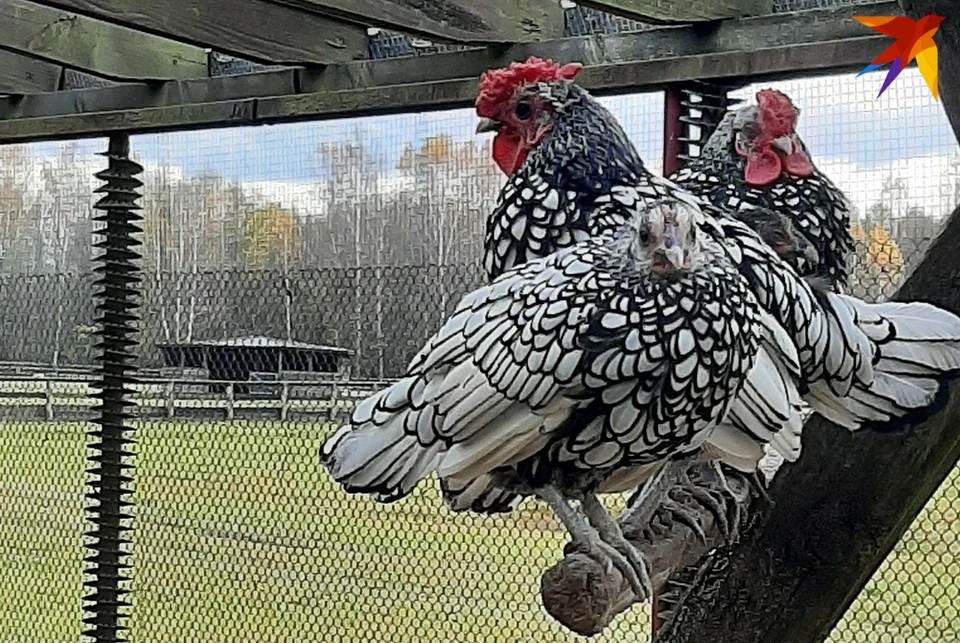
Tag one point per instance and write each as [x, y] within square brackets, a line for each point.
[914, 40]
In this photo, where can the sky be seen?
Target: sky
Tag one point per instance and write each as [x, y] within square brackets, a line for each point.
[856, 138]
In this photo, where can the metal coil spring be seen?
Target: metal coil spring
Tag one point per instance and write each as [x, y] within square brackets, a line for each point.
[109, 457]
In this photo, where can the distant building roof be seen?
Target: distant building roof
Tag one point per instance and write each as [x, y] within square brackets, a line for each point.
[257, 341]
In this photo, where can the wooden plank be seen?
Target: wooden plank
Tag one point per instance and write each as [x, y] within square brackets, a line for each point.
[25, 75]
[854, 495]
[133, 96]
[767, 64]
[94, 46]
[466, 21]
[741, 35]
[263, 31]
[681, 11]
[647, 54]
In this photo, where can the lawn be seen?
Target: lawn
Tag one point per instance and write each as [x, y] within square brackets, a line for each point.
[240, 537]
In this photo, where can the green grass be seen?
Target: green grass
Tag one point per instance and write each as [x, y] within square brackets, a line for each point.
[240, 537]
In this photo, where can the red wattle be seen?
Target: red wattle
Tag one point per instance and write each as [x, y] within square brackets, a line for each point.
[798, 164]
[763, 168]
[508, 153]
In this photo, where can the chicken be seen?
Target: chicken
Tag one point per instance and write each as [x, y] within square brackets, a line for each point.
[612, 355]
[755, 158]
[568, 159]
[562, 151]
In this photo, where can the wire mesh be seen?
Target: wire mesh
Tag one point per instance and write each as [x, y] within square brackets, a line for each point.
[288, 271]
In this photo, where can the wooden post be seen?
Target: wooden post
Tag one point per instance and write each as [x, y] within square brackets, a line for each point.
[842, 508]
[48, 399]
[170, 397]
[230, 398]
[671, 128]
[284, 401]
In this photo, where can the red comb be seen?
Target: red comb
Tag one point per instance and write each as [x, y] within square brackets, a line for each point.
[776, 112]
[497, 85]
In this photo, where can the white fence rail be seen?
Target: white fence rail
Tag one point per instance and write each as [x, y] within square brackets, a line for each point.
[31, 392]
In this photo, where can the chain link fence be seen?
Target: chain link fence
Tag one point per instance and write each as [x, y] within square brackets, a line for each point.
[287, 272]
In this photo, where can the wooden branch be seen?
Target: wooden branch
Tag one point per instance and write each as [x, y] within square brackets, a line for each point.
[94, 46]
[585, 597]
[466, 21]
[681, 11]
[839, 511]
[25, 75]
[262, 31]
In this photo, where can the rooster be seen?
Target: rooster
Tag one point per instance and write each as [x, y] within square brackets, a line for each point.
[559, 167]
[755, 158]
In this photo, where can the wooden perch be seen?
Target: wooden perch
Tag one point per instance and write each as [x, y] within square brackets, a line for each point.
[584, 596]
[837, 513]
[845, 505]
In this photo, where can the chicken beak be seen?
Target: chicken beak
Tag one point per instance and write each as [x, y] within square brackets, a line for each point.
[674, 255]
[487, 125]
[784, 144]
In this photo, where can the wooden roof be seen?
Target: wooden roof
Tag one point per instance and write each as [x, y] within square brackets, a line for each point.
[77, 68]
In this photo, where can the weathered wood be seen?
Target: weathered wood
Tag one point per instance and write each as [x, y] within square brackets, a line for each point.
[25, 75]
[742, 35]
[753, 47]
[681, 11]
[261, 31]
[95, 46]
[466, 21]
[585, 596]
[137, 96]
[841, 510]
[443, 94]
[948, 49]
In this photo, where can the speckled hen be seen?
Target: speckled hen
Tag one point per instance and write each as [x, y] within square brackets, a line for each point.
[611, 355]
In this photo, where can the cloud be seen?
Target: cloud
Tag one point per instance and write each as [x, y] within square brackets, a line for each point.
[841, 118]
[930, 182]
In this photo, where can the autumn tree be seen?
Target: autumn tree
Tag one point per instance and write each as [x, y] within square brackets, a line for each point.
[270, 236]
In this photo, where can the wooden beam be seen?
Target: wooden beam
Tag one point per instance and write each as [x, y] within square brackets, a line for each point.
[741, 35]
[854, 495]
[444, 94]
[262, 31]
[681, 11]
[94, 46]
[820, 43]
[838, 513]
[467, 21]
[25, 75]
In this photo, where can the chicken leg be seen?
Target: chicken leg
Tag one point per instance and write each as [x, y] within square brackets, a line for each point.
[589, 540]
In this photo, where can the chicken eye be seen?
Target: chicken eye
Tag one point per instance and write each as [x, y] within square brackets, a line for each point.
[523, 110]
[644, 236]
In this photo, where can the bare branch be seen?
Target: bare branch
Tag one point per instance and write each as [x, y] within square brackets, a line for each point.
[584, 596]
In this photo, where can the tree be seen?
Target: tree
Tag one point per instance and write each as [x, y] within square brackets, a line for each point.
[270, 237]
[880, 258]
